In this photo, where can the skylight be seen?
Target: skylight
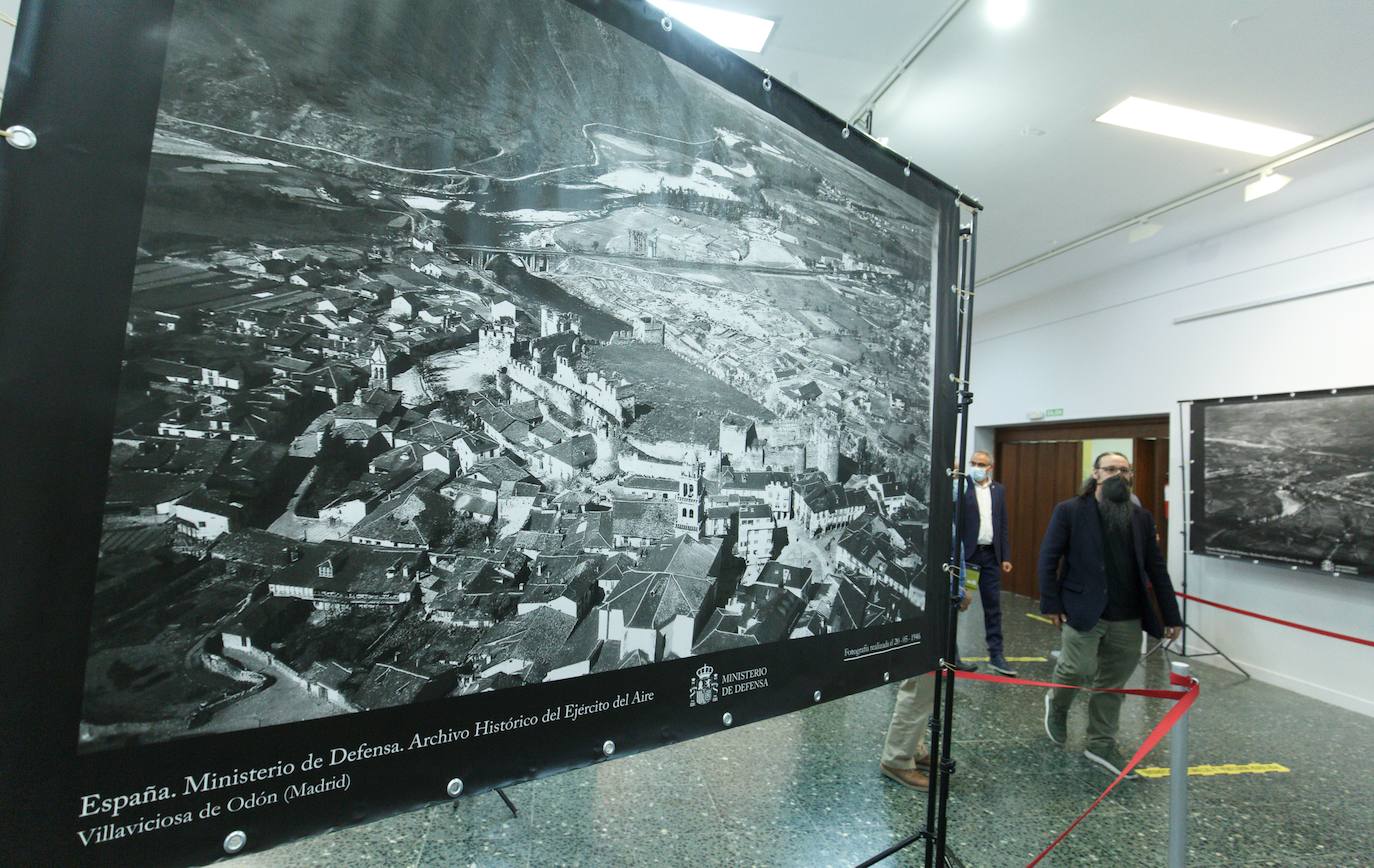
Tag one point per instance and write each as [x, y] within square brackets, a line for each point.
[1204, 127]
[734, 30]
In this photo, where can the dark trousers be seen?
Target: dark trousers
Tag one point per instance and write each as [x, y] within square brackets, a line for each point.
[990, 589]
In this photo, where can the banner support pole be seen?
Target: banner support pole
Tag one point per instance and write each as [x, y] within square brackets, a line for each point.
[1186, 533]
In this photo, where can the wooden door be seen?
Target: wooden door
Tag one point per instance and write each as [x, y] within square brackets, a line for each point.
[1151, 475]
[1037, 475]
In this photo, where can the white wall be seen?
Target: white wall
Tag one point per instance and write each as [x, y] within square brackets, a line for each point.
[1042, 353]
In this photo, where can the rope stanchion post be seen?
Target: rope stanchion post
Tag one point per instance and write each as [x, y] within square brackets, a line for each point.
[1178, 783]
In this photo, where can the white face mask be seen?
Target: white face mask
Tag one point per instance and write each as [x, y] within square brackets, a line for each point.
[978, 474]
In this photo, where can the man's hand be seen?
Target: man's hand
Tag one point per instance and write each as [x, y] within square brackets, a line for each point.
[1058, 619]
[1171, 633]
[1006, 566]
[965, 601]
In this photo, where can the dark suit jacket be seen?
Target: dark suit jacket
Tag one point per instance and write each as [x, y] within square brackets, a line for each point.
[969, 521]
[1079, 588]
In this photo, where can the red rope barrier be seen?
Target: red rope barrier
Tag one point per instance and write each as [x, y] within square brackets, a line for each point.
[1280, 621]
[1183, 700]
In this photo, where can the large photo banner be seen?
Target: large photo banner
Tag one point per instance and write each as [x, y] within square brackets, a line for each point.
[425, 396]
[1286, 479]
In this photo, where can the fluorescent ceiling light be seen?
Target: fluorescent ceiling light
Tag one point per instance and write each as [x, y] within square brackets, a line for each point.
[1005, 13]
[1183, 123]
[734, 30]
[1269, 182]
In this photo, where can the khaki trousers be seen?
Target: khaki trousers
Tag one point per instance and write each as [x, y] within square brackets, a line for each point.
[906, 734]
[1104, 656]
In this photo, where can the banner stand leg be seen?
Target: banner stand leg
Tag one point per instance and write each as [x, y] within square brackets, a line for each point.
[509, 804]
[1215, 652]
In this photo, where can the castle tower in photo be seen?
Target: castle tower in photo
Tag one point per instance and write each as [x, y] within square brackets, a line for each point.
[495, 344]
[691, 497]
[607, 463]
[825, 446]
[647, 330]
[380, 368]
[554, 322]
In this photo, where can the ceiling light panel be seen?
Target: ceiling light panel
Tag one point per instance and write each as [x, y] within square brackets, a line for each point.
[734, 30]
[1004, 14]
[1206, 128]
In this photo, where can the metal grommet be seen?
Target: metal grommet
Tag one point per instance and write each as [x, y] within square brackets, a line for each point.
[887, 676]
[906, 170]
[20, 137]
[727, 718]
[844, 133]
[666, 23]
[816, 697]
[235, 841]
[455, 788]
[608, 747]
[767, 80]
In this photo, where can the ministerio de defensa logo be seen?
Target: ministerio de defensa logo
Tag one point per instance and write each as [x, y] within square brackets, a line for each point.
[705, 686]
[709, 686]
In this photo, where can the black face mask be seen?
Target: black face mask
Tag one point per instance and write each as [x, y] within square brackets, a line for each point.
[1116, 490]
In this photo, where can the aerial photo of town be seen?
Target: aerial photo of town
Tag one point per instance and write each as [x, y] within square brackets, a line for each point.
[475, 345]
[1290, 480]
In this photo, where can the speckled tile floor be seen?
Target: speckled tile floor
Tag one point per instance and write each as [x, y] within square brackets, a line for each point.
[804, 790]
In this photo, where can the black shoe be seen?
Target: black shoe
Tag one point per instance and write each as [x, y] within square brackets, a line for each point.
[963, 666]
[1112, 760]
[999, 665]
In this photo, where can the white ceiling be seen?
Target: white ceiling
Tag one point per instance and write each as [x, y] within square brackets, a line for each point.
[961, 111]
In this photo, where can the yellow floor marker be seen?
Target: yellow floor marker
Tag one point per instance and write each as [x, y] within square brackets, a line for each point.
[1215, 771]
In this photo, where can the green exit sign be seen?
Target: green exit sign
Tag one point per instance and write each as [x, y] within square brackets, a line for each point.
[1057, 411]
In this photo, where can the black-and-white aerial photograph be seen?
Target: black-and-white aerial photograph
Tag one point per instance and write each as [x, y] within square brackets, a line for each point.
[1291, 481]
[476, 344]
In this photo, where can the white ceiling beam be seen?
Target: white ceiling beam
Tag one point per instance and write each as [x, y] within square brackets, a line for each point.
[907, 61]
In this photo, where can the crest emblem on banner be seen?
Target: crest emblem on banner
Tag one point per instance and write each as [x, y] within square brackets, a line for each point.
[705, 686]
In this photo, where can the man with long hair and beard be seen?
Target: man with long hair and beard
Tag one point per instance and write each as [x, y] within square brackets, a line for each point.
[1102, 580]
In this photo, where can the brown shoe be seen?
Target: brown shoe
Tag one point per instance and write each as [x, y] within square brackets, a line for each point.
[911, 778]
[923, 763]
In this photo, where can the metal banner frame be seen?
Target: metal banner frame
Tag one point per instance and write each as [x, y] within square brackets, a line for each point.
[86, 79]
[1197, 526]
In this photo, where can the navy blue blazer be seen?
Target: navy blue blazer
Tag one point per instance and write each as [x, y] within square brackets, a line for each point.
[969, 522]
[1079, 588]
